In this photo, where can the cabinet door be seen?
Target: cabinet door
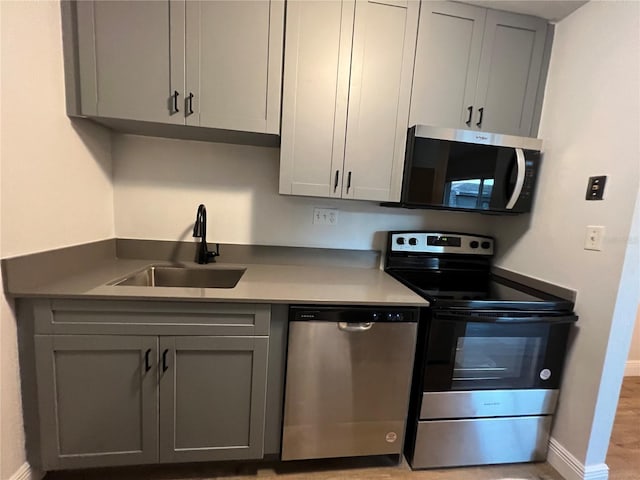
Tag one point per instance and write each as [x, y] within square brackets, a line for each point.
[212, 398]
[234, 64]
[131, 59]
[446, 67]
[381, 71]
[510, 68]
[315, 94]
[98, 400]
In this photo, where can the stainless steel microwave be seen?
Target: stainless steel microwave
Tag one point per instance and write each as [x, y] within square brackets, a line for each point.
[469, 170]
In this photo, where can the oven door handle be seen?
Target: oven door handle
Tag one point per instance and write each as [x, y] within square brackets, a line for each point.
[466, 317]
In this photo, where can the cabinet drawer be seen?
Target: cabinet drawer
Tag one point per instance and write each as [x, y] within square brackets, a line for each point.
[150, 318]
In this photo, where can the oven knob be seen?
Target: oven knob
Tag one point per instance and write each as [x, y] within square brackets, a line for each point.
[474, 244]
[486, 245]
[400, 240]
[413, 241]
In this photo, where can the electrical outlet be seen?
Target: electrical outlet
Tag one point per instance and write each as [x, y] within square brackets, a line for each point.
[325, 216]
[594, 237]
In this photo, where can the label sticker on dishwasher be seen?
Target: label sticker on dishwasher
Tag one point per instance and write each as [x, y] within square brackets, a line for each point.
[545, 374]
[391, 437]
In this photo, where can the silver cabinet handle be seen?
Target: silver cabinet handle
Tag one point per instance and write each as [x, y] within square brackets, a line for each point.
[519, 179]
[355, 327]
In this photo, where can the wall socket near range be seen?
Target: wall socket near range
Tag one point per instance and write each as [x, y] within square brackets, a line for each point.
[325, 216]
[593, 238]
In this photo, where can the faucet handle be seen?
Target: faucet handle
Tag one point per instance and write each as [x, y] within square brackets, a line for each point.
[213, 255]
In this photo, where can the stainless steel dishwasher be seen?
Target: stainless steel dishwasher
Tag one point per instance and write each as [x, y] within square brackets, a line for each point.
[348, 381]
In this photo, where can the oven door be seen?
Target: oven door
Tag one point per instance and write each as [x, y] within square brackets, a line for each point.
[494, 350]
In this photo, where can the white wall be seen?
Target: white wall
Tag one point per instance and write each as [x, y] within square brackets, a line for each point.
[160, 182]
[55, 177]
[633, 361]
[590, 126]
[618, 345]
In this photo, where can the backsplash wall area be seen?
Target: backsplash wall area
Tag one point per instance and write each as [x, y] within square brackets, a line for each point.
[158, 184]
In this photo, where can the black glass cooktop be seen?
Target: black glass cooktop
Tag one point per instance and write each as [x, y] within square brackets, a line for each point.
[477, 289]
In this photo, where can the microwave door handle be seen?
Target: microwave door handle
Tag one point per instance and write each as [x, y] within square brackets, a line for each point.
[520, 165]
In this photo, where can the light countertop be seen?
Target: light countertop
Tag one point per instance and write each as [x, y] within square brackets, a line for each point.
[261, 283]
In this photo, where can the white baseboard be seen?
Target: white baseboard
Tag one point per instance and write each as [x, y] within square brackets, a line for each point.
[570, 467]
[632, 368]
[26, 473]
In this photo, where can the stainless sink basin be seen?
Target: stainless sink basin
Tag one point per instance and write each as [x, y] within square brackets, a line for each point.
[158, 276]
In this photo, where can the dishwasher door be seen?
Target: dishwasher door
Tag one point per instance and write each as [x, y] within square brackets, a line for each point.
[347, 388]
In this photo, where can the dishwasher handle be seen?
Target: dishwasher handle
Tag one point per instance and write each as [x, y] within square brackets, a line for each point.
[355, 327]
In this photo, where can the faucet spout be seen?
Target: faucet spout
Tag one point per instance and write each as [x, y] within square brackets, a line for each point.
[200, 231]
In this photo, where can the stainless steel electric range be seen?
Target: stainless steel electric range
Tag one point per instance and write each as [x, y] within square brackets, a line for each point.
[489, 357]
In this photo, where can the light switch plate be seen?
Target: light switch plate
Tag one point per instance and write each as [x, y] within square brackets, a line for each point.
[595, 188]
[593, 238]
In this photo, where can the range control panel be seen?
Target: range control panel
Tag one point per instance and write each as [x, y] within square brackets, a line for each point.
[440, 242]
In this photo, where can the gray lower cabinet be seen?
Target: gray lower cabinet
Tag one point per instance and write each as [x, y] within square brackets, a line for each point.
[98, 404]
[212, 398]
[109, 399]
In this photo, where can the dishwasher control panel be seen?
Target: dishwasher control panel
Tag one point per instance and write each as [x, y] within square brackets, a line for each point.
[353, 314]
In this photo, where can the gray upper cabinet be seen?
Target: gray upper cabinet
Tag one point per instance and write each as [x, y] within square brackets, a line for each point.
[126, 71]
[379, 94]
[447, 61]
[346, 92]
[510, 69]
[233, 64]
[214, 64]
[477, 69]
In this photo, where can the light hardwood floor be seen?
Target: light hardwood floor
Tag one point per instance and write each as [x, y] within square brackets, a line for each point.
[623, 457]
[623, 460]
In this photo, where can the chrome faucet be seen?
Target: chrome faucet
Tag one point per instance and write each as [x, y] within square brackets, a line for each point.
[200, 231]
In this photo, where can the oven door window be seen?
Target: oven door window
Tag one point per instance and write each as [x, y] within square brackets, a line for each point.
[475, 356]
[489, 359]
